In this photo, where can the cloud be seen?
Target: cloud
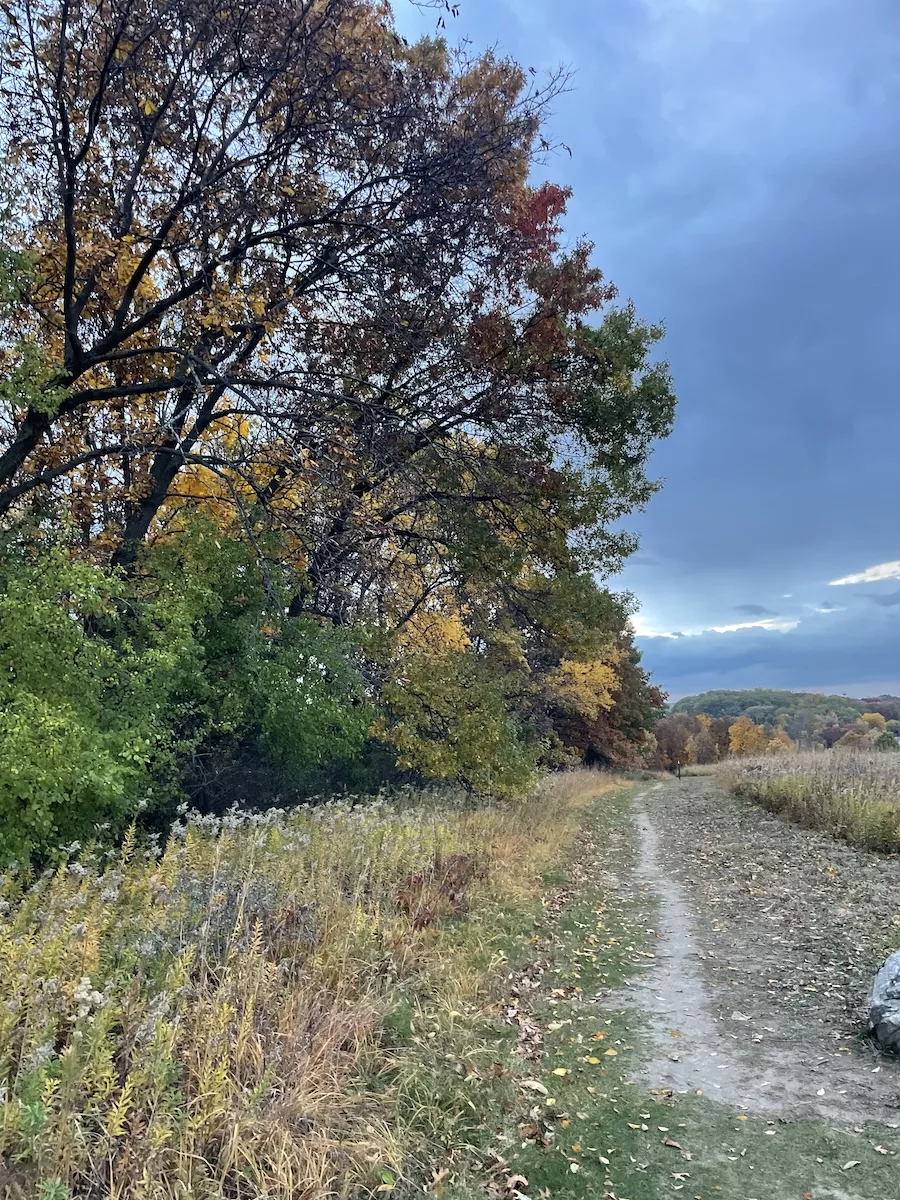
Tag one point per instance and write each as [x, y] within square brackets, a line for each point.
[888, 600]
[771, 624]
[827, 606]
[768, 624]
[754, 610]
[643, 630]
[885, 570]
[837, 653]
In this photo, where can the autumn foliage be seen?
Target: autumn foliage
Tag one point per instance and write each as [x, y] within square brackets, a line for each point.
[300, 366]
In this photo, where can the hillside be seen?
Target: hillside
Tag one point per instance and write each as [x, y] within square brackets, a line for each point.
[769, 706]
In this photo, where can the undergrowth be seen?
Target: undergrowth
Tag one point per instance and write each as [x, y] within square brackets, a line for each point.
[290, 1004]
[851, 795]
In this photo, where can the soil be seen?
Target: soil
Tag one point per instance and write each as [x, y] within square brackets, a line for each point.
[767, 937]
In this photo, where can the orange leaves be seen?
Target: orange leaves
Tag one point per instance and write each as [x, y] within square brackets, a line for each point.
[746, 737]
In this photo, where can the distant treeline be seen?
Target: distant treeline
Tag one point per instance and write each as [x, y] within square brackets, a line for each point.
[710, 726]
[800, 714]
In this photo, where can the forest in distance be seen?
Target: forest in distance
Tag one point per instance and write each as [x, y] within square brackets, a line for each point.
[710, 726]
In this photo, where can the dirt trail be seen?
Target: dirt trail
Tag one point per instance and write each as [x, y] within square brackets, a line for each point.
[767, 937]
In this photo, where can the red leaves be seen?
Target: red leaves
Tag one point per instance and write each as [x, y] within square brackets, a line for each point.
[427, 895]
[537, 220]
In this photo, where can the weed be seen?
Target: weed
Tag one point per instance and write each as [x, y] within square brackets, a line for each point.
[849, 794]
[247, 1010]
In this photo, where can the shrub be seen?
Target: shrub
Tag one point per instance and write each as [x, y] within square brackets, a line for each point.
[118, 693]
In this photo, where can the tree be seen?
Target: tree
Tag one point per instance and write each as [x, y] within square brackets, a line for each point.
[679, 737]
[745, 737]
[282, 288]
[448, 717]
[886, 741]
[857, 737]
[779, 743]
[874, 720]
[200, 207]
[325, 290]
[617, 729]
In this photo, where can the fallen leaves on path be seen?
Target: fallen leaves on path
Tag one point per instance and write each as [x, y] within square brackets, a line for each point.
[793, 925]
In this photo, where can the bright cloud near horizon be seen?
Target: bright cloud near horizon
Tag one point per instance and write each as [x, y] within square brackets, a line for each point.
[888, 570]
[736, 168]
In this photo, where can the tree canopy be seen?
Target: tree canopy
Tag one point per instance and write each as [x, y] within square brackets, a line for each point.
[286, 300]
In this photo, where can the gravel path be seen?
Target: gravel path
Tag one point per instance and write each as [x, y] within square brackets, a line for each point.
[767, 940]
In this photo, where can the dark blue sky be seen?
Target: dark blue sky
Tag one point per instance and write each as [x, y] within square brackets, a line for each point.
[737, 163]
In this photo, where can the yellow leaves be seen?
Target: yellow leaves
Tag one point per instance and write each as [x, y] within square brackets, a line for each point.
[436, 633]
[779, 743]
[118, 1114]
[746, 737]
[874, 720]
[147, 107]
[561, 1071]
[585, 688]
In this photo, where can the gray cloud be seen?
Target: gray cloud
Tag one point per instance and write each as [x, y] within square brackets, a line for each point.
[887, 600]
[828, 653]
[754, 610]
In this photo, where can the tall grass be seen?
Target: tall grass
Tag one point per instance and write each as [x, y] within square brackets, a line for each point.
[849, 794]
[206, 1018]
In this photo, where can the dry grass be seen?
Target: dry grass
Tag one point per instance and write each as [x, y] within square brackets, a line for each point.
[206, 1018]
[851, 795]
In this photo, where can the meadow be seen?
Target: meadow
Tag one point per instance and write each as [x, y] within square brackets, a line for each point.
[263, 1005]
[850, 794]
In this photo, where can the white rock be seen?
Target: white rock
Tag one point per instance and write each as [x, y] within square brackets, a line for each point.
[884, 1004]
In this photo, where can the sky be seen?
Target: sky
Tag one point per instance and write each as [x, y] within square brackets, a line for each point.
[736, 164]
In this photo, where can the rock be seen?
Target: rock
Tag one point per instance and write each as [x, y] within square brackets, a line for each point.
[884, 1004]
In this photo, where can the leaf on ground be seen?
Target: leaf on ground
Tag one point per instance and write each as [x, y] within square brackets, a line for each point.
[534, 1086]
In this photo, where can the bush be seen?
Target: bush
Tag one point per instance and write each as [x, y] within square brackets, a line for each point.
[209, 1017]
[119, 694]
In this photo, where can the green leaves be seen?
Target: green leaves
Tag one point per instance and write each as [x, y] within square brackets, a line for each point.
[449, 717]
[117, 693]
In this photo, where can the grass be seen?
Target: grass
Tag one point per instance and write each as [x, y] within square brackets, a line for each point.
[293, 1004]
[851, 795]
